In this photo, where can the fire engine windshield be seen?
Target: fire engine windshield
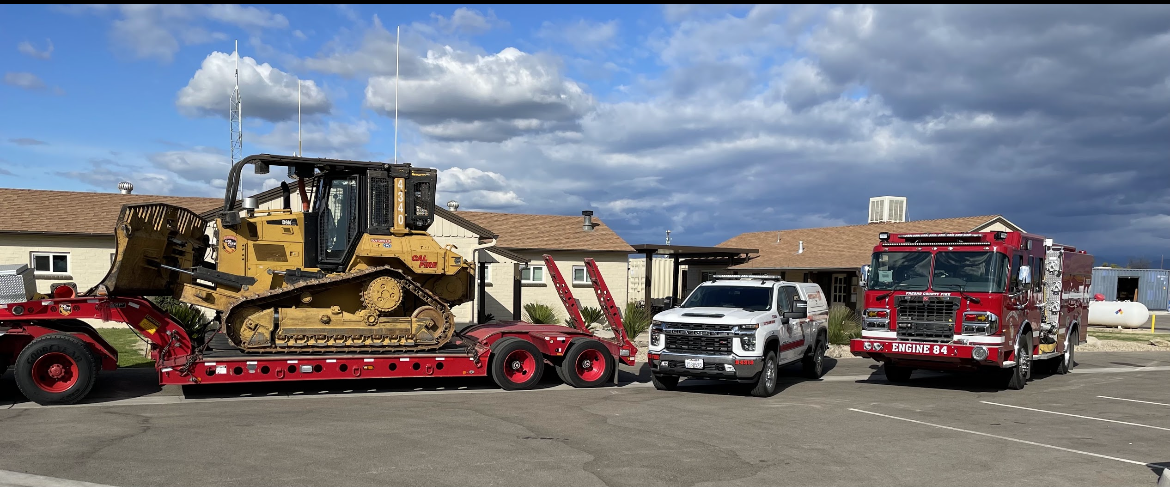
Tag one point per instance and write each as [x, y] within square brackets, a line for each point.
[973, 272]
[751, 298]
[900, 271]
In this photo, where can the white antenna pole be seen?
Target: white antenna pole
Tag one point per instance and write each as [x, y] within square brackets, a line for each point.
[397, 38]
[299, 152]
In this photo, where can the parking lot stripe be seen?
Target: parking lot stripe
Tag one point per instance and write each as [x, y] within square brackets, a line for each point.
[1135, 400]
[1077, 416]
[1098, 455]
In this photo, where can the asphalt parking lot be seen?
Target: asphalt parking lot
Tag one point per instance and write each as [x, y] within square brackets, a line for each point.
[1105, 424]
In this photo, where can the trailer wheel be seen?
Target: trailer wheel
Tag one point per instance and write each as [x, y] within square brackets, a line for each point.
[664, 382]
[516, 364]
[588, 364]
[1017, 377]
[55, 369]
[1067, 361]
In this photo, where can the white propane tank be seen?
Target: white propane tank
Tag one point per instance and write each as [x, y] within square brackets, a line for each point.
[1126, 314]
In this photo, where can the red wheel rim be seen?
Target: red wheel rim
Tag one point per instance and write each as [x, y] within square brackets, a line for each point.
[590, 365]
[54, 372]
[518, 366]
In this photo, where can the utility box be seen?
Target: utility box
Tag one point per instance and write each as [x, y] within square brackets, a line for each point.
[17, 284]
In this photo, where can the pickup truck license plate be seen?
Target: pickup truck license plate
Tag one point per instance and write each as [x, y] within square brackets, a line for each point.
[694, 363]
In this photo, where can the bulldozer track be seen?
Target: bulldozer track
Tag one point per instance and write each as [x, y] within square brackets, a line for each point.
[267, 299]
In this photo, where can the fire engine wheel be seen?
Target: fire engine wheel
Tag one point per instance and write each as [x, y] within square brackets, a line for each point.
[1017, 377]
[55, 369]
[766, 383]
[1068, 360]
[516, 364]
[897, 374]
[588, 364]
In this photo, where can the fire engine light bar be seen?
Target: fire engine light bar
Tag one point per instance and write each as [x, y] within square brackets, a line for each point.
[884, 236]
[1001, 235]
[931, 244]
[935, 235]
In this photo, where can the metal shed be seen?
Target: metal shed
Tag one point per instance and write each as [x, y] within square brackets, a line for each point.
[1146, 286]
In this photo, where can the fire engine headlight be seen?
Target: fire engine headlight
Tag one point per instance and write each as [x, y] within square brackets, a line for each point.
[979, 353]
[748, 342]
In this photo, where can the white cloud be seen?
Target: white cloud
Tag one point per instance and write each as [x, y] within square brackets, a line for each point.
[582, 35]
[27, 48]
[156, 31]
[203, 171]
[27, 81]
[469, 21]
[483, 97]
[267, 93]
[332, 139]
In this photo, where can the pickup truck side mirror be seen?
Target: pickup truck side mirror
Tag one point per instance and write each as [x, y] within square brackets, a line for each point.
[799, 310]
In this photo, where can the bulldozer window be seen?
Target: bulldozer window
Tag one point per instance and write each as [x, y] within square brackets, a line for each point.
[338, 217]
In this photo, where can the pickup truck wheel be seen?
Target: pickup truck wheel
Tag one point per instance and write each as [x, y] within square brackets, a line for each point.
[897, 374]
[516, 364]
[56, 369]
[814, 365]
[588, 364]
[766, 383]
[664, 382]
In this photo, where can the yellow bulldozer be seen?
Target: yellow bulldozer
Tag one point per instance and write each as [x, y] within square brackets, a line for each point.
[352, 269]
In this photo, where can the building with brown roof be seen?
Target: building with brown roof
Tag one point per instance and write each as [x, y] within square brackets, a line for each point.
[68, 236]
[830, 256]
[516, 274]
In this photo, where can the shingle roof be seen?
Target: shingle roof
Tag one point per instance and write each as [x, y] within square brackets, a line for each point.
[837, 247]
[77, 212]
[552, 232]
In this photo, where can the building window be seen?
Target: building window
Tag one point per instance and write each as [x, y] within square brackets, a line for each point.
[487, 273]
[580, 276]
[840, 290]
[532, 274]
[50, 263]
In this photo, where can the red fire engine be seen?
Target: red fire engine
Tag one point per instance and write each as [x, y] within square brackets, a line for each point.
[1001, 302]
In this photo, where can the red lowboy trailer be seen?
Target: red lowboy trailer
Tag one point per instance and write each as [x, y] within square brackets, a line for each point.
[56, 356]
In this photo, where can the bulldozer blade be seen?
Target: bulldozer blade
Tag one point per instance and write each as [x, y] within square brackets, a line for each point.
[153, 240]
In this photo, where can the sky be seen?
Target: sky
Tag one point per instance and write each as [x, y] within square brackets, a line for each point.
[708, 121]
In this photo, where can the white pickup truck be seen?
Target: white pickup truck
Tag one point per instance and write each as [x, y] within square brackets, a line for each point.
[740, 328]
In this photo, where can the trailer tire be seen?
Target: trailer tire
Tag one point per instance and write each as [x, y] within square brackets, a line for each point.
[896, 373]
[57, 368]
[516, 364]
[664, 382]
[1017, 377]
[588, 364]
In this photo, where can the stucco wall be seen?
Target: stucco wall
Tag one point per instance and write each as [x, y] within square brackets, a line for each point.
[89, 257]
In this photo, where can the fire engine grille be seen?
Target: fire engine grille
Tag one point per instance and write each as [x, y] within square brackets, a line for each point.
[684, 343]
[927, 318]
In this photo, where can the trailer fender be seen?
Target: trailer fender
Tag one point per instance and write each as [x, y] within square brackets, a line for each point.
[21, 336]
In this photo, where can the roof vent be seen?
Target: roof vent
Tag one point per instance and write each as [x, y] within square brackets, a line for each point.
[800, 250]
[453, 205]
[125, 187]
[884, 209]
[588, 225]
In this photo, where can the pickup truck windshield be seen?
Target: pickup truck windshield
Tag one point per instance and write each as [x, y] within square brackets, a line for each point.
[973, 272]
[752, 298]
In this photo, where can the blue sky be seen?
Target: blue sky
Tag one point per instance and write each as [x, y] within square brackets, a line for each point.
[708, 121]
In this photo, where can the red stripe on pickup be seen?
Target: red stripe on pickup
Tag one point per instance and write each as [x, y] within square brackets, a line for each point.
[791, 345]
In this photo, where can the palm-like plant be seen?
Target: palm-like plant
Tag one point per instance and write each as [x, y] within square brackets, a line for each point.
[635, 320]
[843, 325]
[191, 318]
[540, 313]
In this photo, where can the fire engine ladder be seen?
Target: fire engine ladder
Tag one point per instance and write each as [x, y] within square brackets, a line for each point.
[575, 319]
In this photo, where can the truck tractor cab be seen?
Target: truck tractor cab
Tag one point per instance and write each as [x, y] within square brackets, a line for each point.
[740, 328]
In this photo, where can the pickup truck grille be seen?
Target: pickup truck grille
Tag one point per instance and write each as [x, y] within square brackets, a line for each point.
[702, 344]
[699, 326]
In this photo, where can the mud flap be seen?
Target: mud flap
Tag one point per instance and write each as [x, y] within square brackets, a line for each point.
[148, 237]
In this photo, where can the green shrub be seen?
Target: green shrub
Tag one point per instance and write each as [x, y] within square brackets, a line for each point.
[593, 317]
[540, 313]
[191, 318]
[635, 319]
[843, 325]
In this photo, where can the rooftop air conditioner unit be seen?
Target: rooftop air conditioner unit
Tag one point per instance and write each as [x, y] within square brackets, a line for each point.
[883, 209]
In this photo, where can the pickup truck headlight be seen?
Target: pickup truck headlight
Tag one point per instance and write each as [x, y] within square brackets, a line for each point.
[747, 342]
[656, 333]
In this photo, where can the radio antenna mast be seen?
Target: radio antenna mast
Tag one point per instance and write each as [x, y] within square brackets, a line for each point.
[235, 113]
[397, 39]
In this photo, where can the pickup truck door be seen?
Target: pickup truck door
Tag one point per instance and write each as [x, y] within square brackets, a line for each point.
[791, 331]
